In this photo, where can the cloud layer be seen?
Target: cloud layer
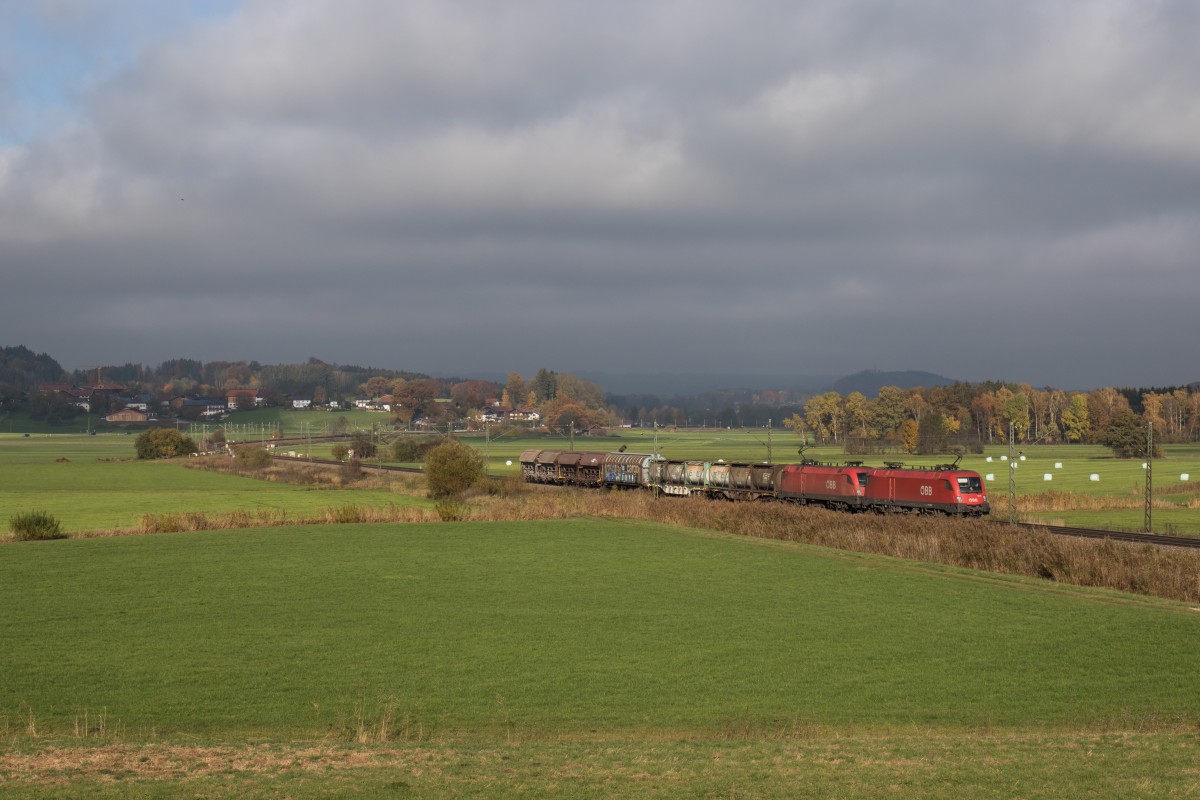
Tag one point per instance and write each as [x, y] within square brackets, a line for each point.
[994, 189]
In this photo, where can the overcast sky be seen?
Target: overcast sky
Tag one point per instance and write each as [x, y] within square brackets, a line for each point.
[1001, 189]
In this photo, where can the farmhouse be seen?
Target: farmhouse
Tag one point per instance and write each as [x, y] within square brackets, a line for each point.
[128, 415]
[75, 395]
[243, 399]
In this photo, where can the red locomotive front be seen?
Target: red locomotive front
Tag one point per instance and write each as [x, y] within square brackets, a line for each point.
[949, 491]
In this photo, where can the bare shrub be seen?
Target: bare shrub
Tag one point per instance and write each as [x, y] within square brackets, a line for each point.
[252, 459]
[352, 471]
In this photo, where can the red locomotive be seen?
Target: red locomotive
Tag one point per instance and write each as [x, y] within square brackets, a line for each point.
[944, 489]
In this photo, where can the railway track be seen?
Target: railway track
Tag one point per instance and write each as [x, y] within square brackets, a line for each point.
[1058, 530]
[1120, 536]
[331, 462]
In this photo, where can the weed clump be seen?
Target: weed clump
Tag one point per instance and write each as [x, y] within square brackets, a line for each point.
[451, 510]
[30, 526]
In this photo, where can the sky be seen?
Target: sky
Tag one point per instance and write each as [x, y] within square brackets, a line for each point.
[1001, 189]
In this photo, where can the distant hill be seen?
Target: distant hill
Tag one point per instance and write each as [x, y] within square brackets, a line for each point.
[870, 381]
[24, 369]
[666, 384]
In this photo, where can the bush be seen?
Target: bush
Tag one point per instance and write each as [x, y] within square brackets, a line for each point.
[340, 451]
[163, 443]
[363, 444]
[32, 526]
[253, 458]
[451, 468]
[411, 450]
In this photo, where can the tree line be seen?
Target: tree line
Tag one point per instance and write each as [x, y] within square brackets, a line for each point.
[940, 418]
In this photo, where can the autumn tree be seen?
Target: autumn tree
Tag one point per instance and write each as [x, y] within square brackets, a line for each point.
[888, 410]
[473, 394]
[933, 435]
[857, 411]
[1075, 420]
[1104, 405]
[377, 386]
[797, 425]
[1126, 436]
[417, 396]
[823, 414]
[909, 434]
[582, 391]
[516, 390]
[1016, 414]
[563, 413]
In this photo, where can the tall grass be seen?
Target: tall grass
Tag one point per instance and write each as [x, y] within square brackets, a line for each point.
[344, 514]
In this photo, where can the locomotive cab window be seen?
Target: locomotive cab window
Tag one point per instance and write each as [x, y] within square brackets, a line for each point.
[947, 486]
[863, 479]
[970, 484]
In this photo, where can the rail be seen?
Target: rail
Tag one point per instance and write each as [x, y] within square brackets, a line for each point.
[1120, 536]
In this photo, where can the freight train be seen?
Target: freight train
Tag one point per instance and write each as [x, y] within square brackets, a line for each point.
[942, 489]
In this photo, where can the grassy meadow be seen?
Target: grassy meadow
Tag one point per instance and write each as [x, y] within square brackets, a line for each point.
[577, 657]
[94, 483]
[596, 658]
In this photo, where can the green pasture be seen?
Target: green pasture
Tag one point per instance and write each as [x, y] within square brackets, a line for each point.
[100, 486]
[583, 659]
[19, 423]
[486, 631]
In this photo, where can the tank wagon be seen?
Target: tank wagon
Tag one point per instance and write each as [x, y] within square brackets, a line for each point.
[942, 489]
[573, 468]
[732, 481]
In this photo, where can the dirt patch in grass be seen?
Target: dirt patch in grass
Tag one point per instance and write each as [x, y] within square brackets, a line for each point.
[167, 762]
[934, 764]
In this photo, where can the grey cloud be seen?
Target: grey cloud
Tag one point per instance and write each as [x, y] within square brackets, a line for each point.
[755, 187]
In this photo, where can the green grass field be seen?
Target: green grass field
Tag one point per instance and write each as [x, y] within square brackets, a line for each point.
[100, 487]
[563, 659]
[604, 645]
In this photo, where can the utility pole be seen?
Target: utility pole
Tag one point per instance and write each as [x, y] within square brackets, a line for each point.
[1149, 474]
[1012, 473]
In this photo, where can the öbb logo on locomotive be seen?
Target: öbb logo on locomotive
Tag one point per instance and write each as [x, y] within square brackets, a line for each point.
[941, 489]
